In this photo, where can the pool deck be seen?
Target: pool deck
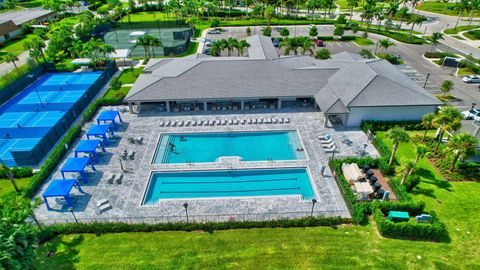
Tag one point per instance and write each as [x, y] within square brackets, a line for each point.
[126, 198]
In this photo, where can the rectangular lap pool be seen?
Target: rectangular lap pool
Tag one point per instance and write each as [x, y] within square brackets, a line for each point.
[248, 146]
[232, 183]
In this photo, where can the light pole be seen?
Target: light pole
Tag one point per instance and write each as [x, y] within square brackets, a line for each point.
[364, 148]
[376, 47]
[12, 179]
[314, 201]
[35, 88]
[426, 80]
[73, 214]
[185, 205]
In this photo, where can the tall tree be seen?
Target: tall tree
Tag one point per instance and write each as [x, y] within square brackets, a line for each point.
[447, 119]
[242, 44]
[420, 151]
[435, 40]
[397, 135]
[460, 7]
[406, 166]
[385, 44]
[352, 4]
[12, 58]
[268, 14]
[307, 46]
[427, 122]
[463, 145]
[446, 87]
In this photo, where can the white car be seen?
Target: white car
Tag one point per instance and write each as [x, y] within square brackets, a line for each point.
[214, 31]
[471, 79]
[472, 114]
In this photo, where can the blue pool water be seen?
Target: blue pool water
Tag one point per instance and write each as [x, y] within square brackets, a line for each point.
[237, 183]
[208, 147]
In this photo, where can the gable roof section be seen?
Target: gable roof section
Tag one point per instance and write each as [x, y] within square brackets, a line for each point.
[261, 47]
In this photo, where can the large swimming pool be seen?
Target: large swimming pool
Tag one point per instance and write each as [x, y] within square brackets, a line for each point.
[209, 147]
[231, 183]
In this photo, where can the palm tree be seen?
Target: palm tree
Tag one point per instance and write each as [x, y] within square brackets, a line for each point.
[76, 48]
[192, 21]
[307, 45]
[435, 39]
[427, 122]
[38, 44]
[415, 19]
[352, 4]
[403, 14]
[242, 44]
[447, 119]
[12, 58]
[231, 44]
[385, 43]
[155, 42]
[462, 144]
[446, 87]
[290, 44]
[420, 151]
[145, 43]
[405, 168]
[397, 135]
[460, 7]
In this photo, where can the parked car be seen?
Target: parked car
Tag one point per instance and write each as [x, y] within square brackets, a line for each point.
[208, 43]
[471, 79]
[319, 42]
[276, 42]
[214, 31]
[472, 114]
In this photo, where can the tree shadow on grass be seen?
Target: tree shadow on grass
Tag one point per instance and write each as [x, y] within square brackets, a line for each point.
[58, 254]
[429, 177]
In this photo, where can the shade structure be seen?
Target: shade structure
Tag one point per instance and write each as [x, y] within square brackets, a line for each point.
[77, 165]
[109, 117]
[120, 53]
[81, 61]
[61, 188]
[100, 131]
[89, 147]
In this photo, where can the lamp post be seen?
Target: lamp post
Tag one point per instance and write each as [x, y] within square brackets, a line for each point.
[12, 179]
[376, 47]
[364, 148]
[185, 205]
[73, 214]
[314, 201]
[35, 88]
[426, 80]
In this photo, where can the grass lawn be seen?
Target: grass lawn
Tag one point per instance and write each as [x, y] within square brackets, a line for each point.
[7, 187]
[458, 37]
[120, 93]
[343, 247]
[129, 76]
[464, 71]
[363, 41]
[31, 4]
[439, 7]
[472, 35]
[17, 45]
[452, 31]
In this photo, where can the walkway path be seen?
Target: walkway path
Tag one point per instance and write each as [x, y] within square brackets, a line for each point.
[7, 67]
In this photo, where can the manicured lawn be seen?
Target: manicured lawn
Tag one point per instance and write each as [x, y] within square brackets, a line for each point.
[452, 31]
[439, 7]
[6, 186]
[343, 247]
[31, 4]
[363, 41]
[473, 35]
[17, 45]
[120, 93]
[129, 76]
[458, 37]
[465, 71]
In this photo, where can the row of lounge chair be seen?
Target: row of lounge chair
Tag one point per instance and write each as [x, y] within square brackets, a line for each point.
[221, 122]
[327, 143]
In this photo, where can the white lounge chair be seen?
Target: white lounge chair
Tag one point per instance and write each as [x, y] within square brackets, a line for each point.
[230, 122]
[167, 124]
[235, 121]
[260, 121]
[325, 137]
[286, 120]
[280, 120]
[187, 123]
[109, 177]
[131, 154]
[180, 123]
[174, 124]
[242, 121]
[329, 141]
[254, 121]
[330, 150]
[217, 122]
[274, 120]
[330, 145]
[161, 123]
[118, 179]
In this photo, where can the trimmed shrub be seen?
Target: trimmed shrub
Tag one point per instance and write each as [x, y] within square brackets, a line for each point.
[22, 172]
[411, 182]
[267, 31]
[215, 23]
[386, 125]
[115, 83]
[98, 228]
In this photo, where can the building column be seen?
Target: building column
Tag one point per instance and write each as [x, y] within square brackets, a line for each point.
[205, 107]
[315, 105]
[168, 105]
[242, 104]
[279, 103]
[139, 106]
[130, 107]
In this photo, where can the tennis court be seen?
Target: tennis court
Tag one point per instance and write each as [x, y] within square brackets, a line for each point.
[32, 121]
[174, 40]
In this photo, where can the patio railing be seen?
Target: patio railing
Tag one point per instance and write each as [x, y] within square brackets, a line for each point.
[71, 218]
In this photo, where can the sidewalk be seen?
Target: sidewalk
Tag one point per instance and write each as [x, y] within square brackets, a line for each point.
[7, 67]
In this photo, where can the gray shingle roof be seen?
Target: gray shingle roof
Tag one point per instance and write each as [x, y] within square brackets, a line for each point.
[261, 47]
[335, 84]
[20, 17]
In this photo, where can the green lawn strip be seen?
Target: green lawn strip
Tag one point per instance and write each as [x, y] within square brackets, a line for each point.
[363, 41]
[7, 187]
[31, 4]
[453, 31]
[458, 37]
[464, 71]
[129, 76]
[439, 7]
[17, 45]
[472, 35]
[120, 93]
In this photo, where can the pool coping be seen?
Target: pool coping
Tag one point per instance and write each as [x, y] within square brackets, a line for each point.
[157, 203]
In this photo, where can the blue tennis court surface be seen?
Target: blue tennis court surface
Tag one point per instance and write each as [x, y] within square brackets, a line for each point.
[35, 118]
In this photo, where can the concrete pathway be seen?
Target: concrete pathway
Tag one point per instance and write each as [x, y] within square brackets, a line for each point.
[8, 67]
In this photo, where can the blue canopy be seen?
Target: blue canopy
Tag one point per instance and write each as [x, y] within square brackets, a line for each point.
[77, 165]
[109, 116]
[99, 130]
[90, 147]
[60, 188]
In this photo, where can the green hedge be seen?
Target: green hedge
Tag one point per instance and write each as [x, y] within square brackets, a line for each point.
[343, 38]
[434, 231]
[98, 228]
[375, 126]
[402, 37]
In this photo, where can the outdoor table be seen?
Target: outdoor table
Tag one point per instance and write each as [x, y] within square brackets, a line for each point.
[363, 187]
[61, 188]
[109, 116]
[398, 216]
[89, 147]
[100, 130]
[77, 165]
